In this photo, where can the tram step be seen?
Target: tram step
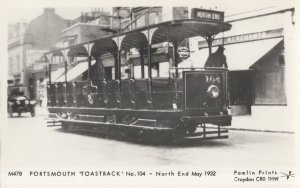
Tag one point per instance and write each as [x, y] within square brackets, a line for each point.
[207, 135]
[53, 123]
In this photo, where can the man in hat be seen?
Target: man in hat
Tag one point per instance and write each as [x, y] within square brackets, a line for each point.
[217, 59]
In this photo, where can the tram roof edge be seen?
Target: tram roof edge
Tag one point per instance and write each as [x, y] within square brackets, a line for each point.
[207, 27]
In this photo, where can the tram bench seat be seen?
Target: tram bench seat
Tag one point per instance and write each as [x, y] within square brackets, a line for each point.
[160, 84]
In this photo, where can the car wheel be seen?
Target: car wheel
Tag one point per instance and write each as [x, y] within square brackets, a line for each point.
[32, 113]
[9, 111]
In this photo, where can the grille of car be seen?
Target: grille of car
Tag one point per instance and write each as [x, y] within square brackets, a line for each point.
[22, 103]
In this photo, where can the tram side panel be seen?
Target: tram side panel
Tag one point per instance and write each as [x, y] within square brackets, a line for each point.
[200, 96]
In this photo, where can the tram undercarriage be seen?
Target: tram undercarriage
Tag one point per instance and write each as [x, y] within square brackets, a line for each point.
[161, 126]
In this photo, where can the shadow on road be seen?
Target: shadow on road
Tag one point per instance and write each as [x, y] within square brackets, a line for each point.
[205, 143]
[22, 116]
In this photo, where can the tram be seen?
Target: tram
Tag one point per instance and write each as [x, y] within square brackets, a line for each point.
[130, 98]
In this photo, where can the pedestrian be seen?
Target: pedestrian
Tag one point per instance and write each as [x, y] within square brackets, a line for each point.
[217, 59]
[41, 99]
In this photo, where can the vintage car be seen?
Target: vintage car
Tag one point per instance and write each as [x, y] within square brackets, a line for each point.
[17, 102]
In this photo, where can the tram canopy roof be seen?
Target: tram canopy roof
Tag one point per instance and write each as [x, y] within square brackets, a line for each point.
[175, 30]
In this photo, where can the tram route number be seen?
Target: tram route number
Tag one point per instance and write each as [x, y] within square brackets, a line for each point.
[212, 79]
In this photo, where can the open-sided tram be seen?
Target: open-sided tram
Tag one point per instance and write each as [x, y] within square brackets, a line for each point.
[112, 99]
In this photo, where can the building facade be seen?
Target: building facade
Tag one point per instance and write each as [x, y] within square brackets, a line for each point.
[18, 42]
[26, 45]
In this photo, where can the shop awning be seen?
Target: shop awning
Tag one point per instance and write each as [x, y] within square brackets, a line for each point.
[75, 71]
[239, 56]
[56, 74]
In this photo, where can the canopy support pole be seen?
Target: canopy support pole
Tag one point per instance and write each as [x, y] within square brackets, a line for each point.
[149, 100]
[141, 52]
[119, 65]
[175, 57]
[100, 73]
[149, 62]
[116, 65]
[49, 71]
[89, 67]
[209, 40]
[66, 70]
[65, 56]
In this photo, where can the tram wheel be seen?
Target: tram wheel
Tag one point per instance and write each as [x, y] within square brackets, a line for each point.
[191, 129]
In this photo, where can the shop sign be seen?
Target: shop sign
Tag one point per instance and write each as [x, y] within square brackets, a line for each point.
[244, 38]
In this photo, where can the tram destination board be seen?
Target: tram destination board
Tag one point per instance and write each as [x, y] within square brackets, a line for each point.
[207, 14]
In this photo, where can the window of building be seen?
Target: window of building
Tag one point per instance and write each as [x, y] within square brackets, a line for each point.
[155, 17]
[104, 21]
[141, 21]
[163, 70]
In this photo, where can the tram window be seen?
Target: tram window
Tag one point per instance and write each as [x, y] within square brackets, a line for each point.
[125, 72]
[138, 73]
[154, 72]
[164, 69]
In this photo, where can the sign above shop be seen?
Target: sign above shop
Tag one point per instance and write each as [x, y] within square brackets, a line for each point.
[207, 14]
[248, 37]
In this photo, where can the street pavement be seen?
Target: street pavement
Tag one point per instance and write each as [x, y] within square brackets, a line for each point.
[27, 142]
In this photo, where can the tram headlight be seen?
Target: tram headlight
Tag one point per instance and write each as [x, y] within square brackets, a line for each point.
[213, 91]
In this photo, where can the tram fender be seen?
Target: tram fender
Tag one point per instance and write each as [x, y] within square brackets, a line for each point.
[221, 120]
